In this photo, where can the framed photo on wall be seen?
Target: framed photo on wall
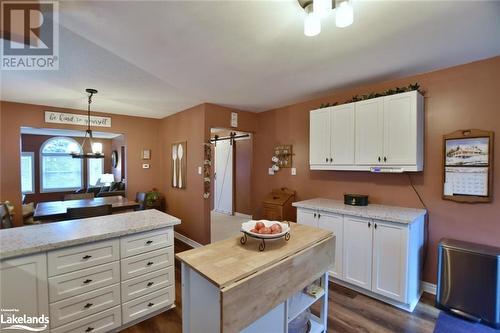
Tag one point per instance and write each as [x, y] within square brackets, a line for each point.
[468, 166]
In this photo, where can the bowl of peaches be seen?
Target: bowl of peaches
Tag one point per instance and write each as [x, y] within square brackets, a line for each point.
[265, 229]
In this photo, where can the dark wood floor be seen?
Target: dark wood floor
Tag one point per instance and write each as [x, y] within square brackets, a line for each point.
[348, 312]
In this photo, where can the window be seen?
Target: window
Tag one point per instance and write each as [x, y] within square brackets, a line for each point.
[60, 171]
[27, 172]
[95, 169]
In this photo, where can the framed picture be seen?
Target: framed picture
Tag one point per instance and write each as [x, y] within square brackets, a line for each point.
[146, 154]
[468, 166]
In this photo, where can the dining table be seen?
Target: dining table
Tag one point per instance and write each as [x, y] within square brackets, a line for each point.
[57, 210]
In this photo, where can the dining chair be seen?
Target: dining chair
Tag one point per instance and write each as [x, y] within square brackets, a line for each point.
[140, 198]
[85, 212]
[5, 218]
[77, 196]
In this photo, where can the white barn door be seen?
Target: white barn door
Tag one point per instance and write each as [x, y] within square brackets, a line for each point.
[223, 200]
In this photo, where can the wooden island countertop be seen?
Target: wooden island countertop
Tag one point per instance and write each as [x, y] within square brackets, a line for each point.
[227, 261]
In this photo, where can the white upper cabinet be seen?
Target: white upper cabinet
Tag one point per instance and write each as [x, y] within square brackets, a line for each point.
[342, 134]
[369, 131]
[384, 133]
[400, 129]
[319, 137]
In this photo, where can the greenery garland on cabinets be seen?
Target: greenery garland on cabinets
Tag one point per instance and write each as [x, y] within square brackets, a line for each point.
[388, 92]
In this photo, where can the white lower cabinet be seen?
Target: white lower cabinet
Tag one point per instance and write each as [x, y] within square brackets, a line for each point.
[390, 266]
[358, 251]
[23, 282]
[83, 291]
[380, 258]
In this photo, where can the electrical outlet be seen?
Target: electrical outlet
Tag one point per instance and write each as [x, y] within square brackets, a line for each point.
[199, 170]
[293, 171]
[271, 172]
[145, 166]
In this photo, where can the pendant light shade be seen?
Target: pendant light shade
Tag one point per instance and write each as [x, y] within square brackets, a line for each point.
[312, 22]
[344, 15]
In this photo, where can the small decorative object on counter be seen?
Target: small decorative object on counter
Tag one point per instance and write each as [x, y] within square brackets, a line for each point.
[356, 199]
[263, 230]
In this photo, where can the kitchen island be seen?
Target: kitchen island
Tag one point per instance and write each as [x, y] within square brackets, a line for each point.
[232, 287]
[94, 275]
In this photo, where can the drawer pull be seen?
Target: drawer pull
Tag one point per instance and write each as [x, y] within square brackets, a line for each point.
[149, 242]
[89, 329]
[88, 305]
[151, 304]
[87, 281]
[86, 257]
[149, 263]
[150, 284]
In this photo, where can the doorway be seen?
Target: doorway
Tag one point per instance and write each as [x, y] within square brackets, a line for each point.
[230, 203]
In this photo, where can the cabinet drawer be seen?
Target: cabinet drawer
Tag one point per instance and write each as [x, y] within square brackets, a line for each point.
[82, 281]
[84, 305]
[104, 321]
[144, 305]
[147, 283]
[146, 241]
[147, 262]
[82, 256]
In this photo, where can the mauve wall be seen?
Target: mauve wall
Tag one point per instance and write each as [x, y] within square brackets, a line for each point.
[33, 143]
[455, 98]
[141, 133]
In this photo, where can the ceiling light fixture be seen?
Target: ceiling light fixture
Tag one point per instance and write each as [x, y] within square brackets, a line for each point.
[96, 147]
[317, 9]
[344, 15]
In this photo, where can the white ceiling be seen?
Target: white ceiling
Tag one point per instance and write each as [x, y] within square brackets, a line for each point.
[155, 58]
[65, 132]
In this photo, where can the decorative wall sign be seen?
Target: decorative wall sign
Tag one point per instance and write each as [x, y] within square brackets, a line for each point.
[468, 166]
[207, 165]
[179, 164]
[282, 157]
[76, 119]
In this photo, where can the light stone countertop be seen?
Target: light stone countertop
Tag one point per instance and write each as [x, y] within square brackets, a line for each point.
[372, 211]
[48, 236]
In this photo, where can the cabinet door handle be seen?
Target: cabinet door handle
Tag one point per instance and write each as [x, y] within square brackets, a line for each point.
[85, 257]
[150, 284]
[379, 159]
[375, 226]
[319, 215]
[331, 159]
[88, 305]
[87, 281]
[385, 159]
[369, 225]
[151, 304]
[315, 215]
[326, 159]
[149, 263]
[89, 329]
[149, 242]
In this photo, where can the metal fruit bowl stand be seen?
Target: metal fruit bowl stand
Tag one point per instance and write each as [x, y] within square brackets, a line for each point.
[264, 237]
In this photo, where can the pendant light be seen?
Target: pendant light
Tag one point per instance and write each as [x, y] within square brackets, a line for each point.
[344, 15]
[95, 147]
[312, 22]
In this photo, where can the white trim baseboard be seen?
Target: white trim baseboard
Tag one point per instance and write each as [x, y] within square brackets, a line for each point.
[187, 240]
[429, 287]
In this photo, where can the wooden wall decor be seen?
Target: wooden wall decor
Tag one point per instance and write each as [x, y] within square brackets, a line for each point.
[207, 166]
[179, 164]
[468, 166]
[282, 157]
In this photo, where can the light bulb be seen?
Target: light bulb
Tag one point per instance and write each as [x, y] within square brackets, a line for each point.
[344, 15]
[312, 25]
[322, 7]
[97, 148]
